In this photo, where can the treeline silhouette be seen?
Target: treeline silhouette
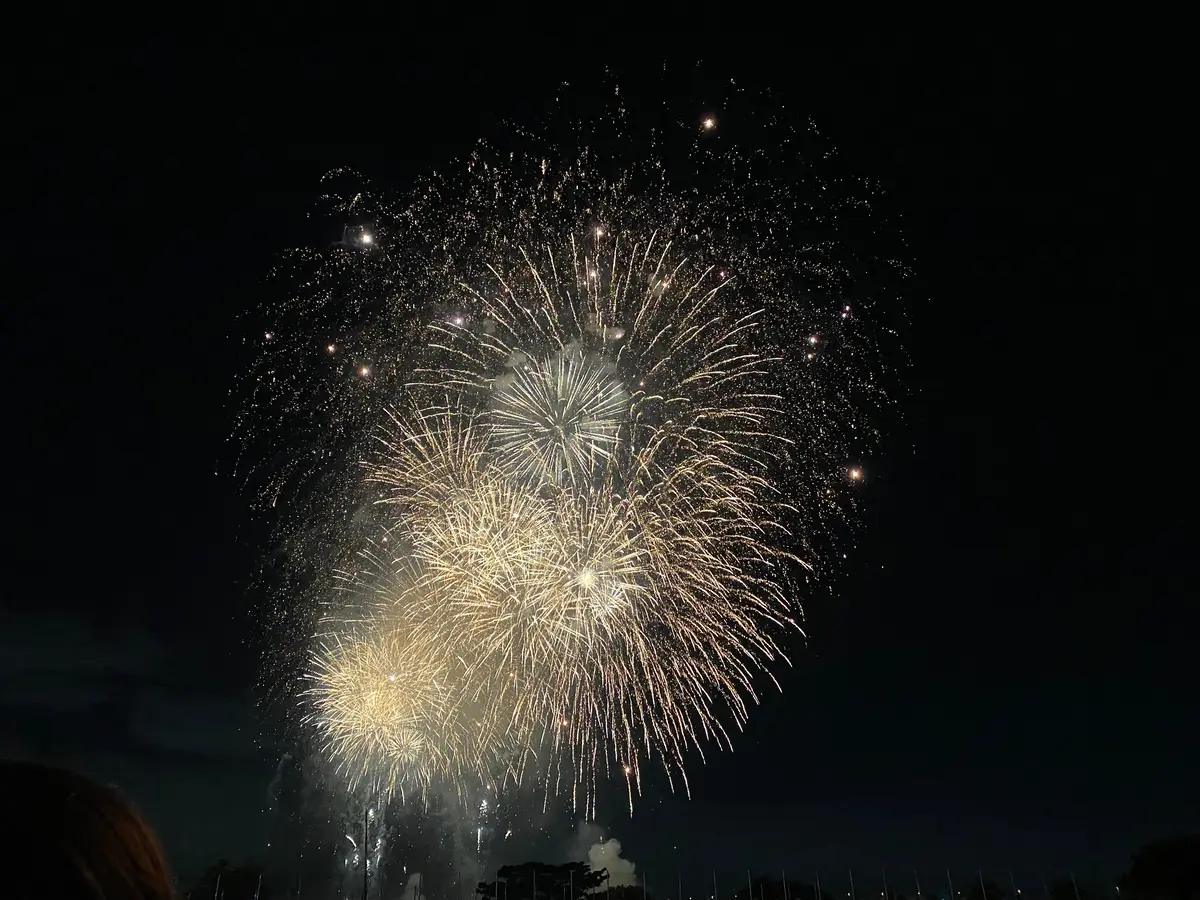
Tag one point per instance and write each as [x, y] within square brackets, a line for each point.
[1163, 870]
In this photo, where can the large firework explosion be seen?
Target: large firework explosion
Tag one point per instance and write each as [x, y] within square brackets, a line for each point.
[557, 444]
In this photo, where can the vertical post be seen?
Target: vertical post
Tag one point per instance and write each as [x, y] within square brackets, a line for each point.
[217, 889]
[749, 886]
[951, 883]
[1012, 883]
[853, 896]
[982, 886]
[366, 853]
[1075, 886]
[785, 887]
[715, 895]
[886, 895]
[917, 879]
[258, 887]
[817, 886]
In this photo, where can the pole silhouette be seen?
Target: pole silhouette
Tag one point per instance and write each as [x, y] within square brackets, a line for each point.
[366, 853]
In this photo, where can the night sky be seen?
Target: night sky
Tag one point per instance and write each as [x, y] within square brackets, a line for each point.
[1002, 678]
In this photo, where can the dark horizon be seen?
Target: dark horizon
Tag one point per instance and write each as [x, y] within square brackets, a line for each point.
[1001, 678]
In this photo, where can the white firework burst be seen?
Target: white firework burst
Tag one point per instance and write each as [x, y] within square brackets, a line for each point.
[558, 420]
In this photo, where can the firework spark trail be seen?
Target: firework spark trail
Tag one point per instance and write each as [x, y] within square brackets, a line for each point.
[596, 431]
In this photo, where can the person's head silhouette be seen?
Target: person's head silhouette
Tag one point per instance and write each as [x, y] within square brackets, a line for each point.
[67, 837]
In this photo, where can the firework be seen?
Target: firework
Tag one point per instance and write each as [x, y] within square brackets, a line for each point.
[380, 705]
[555, 421]
[387, 694]
[601, 427]
[609, 548]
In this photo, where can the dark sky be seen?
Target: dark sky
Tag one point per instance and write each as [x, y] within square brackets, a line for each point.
[1004, 677]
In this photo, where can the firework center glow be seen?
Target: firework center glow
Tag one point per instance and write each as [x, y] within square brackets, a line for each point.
[556, 420]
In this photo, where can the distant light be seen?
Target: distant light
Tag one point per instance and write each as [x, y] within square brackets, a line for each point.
[709, 123]
[391, 678]
[856, 474]
[458, 320]
[364, 371]
[812, 339]
[269, 336]
[565, 723]
[723, 274]
[332, 348]
[366, 239]
[599, 231]
[627, 770]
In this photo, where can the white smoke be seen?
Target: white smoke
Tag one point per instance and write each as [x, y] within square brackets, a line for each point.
[273, 787]
[607, 855]
[602, 853]
[517, 359]
[412, 886]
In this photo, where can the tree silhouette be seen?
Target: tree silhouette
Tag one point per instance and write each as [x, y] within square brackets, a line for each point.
[1165, 870]
[541, 881]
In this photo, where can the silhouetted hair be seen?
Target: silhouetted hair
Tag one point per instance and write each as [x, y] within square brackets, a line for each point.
[66, 837]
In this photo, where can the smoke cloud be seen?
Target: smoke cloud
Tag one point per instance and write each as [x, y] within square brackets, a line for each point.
[411, 888]
[601, 853]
